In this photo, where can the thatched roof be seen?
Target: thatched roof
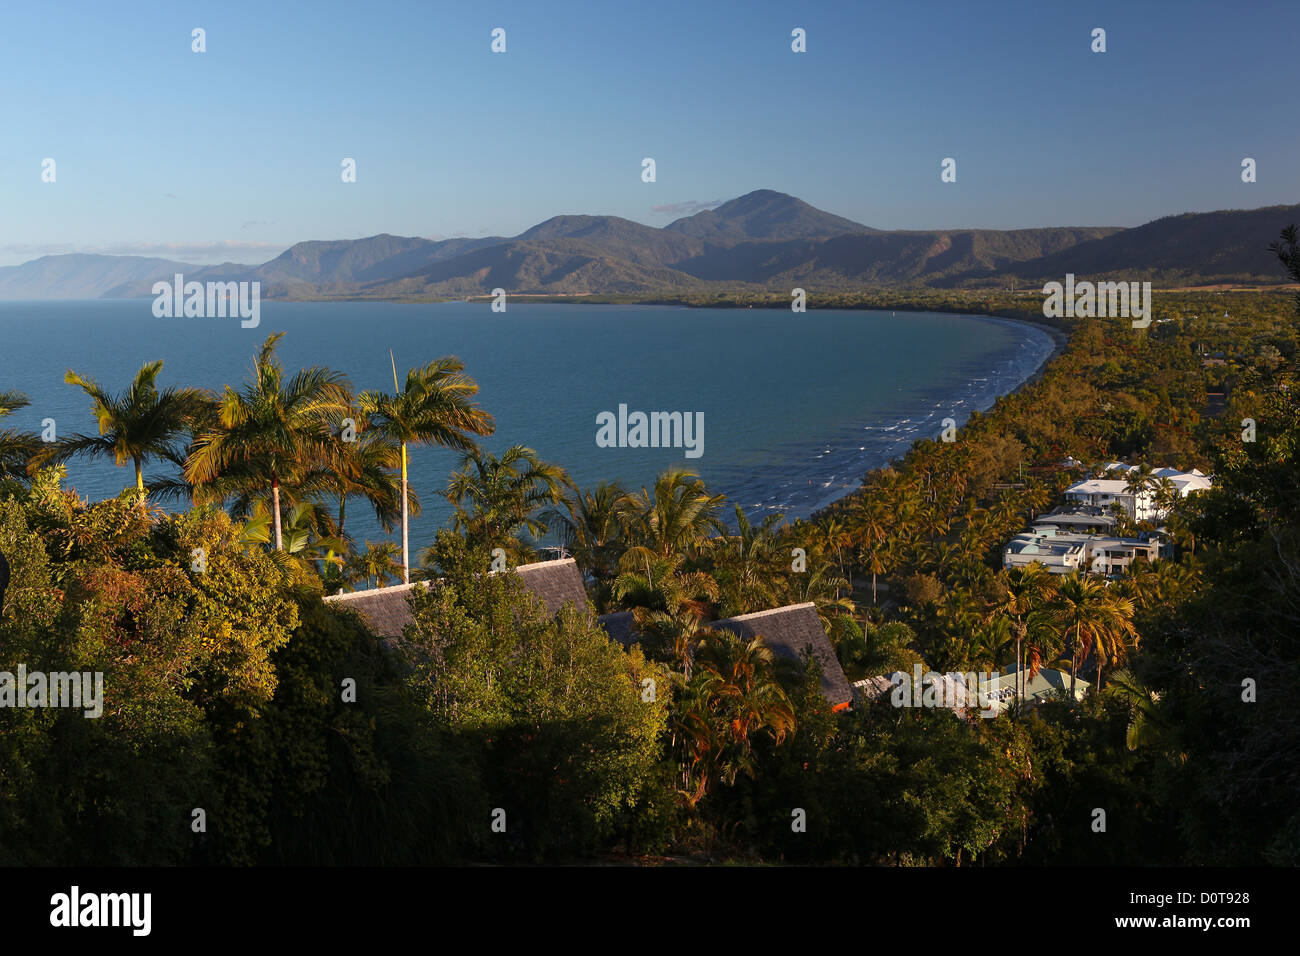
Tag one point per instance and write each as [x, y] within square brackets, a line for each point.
[786, 630]
[557, 583]
[387, 611]
[790, 630]
[620, 626]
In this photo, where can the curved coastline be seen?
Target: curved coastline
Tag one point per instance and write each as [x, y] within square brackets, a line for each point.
[1042, 343]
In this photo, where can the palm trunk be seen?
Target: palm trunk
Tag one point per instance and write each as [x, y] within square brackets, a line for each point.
[343, 506]
[406, 533]
[1019, 669]
[873, 587]
[275, 510]
[1074, 649]
[139, 482]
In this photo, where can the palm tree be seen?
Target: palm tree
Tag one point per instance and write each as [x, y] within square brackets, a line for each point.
[739, 677]
[270, 427]
[302, 533]
[734, 697]
[1146, 724]
[669, 603]
[378, 564]
[1141, 480]
[435, 407]
[870, 528]
[676, 517]
[1167, 494]
[496, 498]
[139, 424]
[364, 467]
[834, 535]
[590, 526]
[1111, 645]
[748, 564]
[1021, 592]
[821, 586]
[18, 449]
[1088, 613]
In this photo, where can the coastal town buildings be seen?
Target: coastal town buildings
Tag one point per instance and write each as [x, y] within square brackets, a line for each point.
[1139, 496]
[1062, 552]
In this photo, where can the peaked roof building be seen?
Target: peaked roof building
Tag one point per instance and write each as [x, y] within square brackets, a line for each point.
[789, 631]
[388, 610]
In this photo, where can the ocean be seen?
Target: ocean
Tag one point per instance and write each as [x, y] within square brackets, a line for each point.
[795, 407]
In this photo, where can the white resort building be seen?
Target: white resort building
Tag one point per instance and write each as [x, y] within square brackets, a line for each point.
[1140, 503]
[1061, 552]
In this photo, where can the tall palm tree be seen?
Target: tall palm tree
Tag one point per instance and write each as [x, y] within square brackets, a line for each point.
[435, 407]
[18, 449]
[497, 498]
[834, 535]
[1087, 613]
[1020, 592]
[270, 427]
[870, 527]
[1111, 645]
[139, 424]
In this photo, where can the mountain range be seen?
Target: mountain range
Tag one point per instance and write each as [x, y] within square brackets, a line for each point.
[762, 240]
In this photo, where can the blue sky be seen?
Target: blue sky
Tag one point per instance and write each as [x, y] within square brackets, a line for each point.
[235, 153]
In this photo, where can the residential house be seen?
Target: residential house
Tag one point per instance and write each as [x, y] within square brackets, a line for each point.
[387, 611]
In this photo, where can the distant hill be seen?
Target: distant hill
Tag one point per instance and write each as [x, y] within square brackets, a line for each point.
[764, 239]
[891, 258]
[764, 214]
[1231, 244]
[570, 266]
[350, 261]
[81, 276]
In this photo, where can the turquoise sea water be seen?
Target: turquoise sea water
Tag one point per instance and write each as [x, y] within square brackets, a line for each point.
[796, 406]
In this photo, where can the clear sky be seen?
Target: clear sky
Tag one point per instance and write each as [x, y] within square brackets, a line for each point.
[235, 153]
